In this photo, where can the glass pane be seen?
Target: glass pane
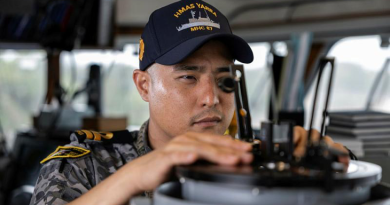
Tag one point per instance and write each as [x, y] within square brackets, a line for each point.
[358, 62]
[22, 89]
[258, 79]
[120, 97]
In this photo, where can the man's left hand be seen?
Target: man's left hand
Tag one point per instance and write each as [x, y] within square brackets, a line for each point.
[301, 138]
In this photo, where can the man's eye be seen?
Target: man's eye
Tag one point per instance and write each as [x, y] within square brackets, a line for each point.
[188, 77]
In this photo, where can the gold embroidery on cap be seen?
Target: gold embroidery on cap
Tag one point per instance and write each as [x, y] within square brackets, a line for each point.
[141, 49]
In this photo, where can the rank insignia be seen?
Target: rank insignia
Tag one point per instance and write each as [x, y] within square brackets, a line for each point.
[122, 136]
[93, 135]
[66, 152]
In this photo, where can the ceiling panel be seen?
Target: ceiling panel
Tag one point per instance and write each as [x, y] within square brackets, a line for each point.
[260, 20]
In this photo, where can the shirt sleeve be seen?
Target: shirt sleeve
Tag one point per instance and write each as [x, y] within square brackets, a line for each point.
[60, 181]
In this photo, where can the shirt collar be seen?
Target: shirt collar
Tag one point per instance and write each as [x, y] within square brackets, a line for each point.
[142, 144]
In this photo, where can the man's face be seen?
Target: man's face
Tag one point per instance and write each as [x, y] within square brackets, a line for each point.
[185, 97]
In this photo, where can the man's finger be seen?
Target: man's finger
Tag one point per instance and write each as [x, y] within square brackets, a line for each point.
[221, 140]
[300, 141]
[328, 140]
[345, 160]
[315, 136]
[213, 153]
[340, 147]
[298, 132]
[301, 136]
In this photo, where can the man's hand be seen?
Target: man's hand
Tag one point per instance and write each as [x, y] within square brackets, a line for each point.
[300, 141]
[186, 149]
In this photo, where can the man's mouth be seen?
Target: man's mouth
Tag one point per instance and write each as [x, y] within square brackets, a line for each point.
[208, 121]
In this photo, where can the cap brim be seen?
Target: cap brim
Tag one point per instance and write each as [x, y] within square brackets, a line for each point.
[239, 49]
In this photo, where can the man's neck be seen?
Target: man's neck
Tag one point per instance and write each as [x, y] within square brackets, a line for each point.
[157, 137]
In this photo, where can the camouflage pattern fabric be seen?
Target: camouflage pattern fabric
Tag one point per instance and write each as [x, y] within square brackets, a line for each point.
[65, 179]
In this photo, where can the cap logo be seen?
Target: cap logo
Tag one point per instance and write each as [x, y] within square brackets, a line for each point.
[141, 49]
[199, 23]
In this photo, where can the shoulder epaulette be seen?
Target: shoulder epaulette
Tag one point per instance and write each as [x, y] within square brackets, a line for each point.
[123, 136]
[66, 152]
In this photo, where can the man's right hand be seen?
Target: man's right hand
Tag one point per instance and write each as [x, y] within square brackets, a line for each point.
[149, 171]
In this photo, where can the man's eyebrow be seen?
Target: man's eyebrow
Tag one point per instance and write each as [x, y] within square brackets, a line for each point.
[187, 68]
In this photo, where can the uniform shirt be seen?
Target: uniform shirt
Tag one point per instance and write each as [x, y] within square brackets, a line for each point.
[62, 180]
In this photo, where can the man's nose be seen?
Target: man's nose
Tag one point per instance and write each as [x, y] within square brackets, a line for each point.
[210, 93]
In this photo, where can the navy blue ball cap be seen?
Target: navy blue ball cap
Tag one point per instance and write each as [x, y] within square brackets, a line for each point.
[177, 30]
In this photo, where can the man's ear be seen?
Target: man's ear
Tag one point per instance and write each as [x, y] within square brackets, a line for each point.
[142, 82]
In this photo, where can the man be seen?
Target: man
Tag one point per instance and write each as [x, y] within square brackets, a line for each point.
[183, 52]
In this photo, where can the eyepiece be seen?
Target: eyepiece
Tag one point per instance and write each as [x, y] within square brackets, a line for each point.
[227, 84]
